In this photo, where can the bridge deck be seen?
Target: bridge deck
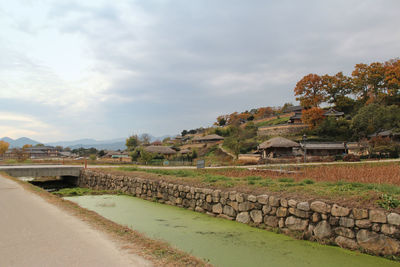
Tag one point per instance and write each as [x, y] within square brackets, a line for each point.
[41, 170]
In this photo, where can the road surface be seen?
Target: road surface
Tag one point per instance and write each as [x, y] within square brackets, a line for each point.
[36, 233]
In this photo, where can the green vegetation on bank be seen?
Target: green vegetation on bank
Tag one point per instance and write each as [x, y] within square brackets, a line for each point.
[389, 194]
[79, 191]
[277, 121]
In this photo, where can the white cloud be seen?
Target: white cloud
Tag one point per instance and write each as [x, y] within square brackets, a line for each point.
[103, 68]
[15, 125]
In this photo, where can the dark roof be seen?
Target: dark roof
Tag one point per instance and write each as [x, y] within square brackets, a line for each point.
[278, 142]
[333, 113]
[355, 145]
[41, 148]
[185, 151]
[160, 150]
[295, 108]
[210, 137]
[323, 145]
[296, 116]
[113, 153]
[384, 133]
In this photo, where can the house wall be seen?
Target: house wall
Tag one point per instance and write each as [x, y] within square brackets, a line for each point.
[325, 152]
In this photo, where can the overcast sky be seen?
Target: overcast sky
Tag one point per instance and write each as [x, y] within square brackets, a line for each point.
[107, 69]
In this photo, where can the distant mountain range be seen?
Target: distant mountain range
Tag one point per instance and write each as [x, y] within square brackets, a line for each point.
[111, 144]
[19, 142]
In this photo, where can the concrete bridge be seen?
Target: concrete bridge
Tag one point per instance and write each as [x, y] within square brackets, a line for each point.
[42, 170]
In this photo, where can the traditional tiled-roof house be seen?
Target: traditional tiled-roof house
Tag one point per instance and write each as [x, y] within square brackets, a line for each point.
[323, 149]
[333, 113]
[296, 118]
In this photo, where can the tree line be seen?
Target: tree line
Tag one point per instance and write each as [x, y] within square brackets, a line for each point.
[369, 97]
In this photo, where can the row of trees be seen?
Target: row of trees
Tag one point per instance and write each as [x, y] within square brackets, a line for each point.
[370, 98]
[373, 83]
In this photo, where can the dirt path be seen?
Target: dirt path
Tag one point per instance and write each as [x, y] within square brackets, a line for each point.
[226, 151]
[36, 233]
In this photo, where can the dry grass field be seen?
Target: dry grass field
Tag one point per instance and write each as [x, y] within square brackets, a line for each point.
[361, 173]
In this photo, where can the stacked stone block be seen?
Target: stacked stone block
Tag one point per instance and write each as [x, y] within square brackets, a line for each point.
[371, 230]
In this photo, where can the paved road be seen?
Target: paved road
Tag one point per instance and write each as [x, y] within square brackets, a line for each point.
[36, 233]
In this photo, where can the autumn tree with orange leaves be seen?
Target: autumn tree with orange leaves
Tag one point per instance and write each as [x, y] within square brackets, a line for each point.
[310, 91]
[369, 82]
[392, 80]
[3, 147]
[312, 116]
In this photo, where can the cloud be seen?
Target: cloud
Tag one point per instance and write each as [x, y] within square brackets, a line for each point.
[16, 125]
[104, 69]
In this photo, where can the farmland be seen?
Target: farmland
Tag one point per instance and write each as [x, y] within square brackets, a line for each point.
[362, 185]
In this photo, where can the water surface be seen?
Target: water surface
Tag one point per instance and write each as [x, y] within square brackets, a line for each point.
[219, 241]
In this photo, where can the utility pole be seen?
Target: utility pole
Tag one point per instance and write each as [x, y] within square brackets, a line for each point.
[305, 148]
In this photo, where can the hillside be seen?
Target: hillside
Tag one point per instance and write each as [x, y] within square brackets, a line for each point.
[19, 142]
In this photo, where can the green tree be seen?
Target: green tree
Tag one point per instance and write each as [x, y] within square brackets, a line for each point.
[146, 157]
[241, 140]
[132, 142]
[184, 132]
[374, 118]
[335, 129]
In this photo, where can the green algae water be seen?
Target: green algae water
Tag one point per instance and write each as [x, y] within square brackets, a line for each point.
[219, 241]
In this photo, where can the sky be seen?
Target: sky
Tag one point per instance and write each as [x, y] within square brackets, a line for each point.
[109, 69]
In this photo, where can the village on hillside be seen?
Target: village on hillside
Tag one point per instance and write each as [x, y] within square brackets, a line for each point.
[340, 117]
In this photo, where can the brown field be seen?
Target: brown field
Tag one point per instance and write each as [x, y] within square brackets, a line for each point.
[365, 173]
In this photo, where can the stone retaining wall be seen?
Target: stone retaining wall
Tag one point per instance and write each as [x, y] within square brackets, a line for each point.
[286, 129]
[372, 231]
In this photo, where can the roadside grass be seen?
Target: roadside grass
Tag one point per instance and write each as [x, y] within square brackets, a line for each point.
[389, 194]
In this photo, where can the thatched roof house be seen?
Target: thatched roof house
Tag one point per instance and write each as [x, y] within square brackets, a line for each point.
[277, 147]
[208, 138]
[163, 150]
[185, 151]
[278, 142]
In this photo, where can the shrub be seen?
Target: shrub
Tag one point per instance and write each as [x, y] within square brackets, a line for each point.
[286, 180]
[308, 181]
[351, 158]
[388, 202]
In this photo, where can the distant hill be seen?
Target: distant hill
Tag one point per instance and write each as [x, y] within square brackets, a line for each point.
[86, 142]
[111, 144]
[19, 142]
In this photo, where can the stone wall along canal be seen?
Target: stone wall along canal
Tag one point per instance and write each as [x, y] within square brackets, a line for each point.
[221, 242]
[372, 230]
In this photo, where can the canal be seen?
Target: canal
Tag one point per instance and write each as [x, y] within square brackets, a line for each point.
[219, 241]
